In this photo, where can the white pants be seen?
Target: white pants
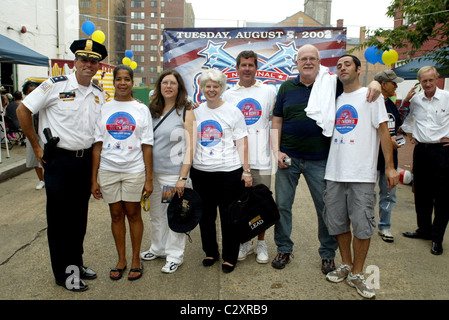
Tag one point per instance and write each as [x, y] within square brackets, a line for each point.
[164, 241]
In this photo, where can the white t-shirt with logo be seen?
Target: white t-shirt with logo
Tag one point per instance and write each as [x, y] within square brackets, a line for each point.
[256, 104]
[355, 142]
[123, 126]
[217, 131]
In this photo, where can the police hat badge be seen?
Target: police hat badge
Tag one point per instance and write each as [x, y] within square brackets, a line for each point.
[89, 48]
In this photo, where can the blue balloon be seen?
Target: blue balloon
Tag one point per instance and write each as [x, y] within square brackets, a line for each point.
[370, 54]
[373, 55]
[88, 27]
[129, 54]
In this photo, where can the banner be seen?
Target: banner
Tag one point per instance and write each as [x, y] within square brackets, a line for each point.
[191, 50]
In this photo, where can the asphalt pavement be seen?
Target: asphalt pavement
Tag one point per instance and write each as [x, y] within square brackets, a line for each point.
[402, 270]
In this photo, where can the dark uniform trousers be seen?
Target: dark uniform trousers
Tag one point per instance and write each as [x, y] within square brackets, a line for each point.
[431, 185]
[67, 183]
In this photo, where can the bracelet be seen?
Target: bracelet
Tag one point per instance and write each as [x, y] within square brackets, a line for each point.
[246, 174]
[181, 178]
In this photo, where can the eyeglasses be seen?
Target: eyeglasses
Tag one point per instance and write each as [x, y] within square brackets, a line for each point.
[305, 59]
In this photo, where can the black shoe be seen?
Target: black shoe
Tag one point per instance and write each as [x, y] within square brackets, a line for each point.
[416, 235]
[227, 268]
[327, 265]
[281, 260]
[87, 274]
[437, 248]
[76, 286]
[208, 261]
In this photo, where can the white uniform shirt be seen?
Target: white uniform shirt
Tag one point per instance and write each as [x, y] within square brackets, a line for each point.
[69, 112]
[217, 129]
[428, 120]
[123, 127]
[355, 142]
[256, 103]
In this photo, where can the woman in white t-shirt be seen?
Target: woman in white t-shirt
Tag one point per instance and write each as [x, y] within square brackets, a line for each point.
[122, 166]
[173, 122]
[217, 173]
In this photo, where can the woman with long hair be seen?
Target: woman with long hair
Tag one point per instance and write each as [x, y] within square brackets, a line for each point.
[173, 120]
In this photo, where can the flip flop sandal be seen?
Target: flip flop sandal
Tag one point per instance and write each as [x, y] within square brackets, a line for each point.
[140, 270]
[120, 273]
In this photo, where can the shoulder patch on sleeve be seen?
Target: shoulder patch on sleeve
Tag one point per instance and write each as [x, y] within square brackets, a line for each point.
[97, 87]
[58, 79]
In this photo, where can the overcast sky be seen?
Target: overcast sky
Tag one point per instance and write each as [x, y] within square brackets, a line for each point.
[356, 13]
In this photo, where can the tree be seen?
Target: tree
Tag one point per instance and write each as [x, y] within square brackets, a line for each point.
[424, 29]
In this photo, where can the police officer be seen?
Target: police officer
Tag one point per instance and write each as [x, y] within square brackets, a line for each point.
[68, 106]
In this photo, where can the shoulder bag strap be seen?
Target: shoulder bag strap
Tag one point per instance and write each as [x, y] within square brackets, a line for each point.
[165, 117]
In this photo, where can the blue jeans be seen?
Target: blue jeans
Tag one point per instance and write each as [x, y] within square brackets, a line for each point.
[285, 187]
[387, 199]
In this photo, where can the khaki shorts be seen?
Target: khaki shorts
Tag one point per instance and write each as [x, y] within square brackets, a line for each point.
[119, 186]
[261, 177]
[347, 203]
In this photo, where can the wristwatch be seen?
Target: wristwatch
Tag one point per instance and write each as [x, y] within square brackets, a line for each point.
[181, 178]
[247, 170]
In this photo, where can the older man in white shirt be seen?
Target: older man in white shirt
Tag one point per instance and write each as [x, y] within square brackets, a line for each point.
[427, 126]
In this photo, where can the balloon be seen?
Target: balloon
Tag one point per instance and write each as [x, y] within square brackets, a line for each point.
[389, 57]
[133, 65]
[129, 54]
[88, 27]
[98, 36]
[405, 177]
[373, 55]
[126, 61]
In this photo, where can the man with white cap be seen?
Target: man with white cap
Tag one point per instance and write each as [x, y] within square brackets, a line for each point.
[387, 197]
[68, 106]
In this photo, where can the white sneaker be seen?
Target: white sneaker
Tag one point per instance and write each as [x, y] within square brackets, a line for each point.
[147, 255]
[40, 185]
[170, 267]
[261, 252]
[245, 250]
[358, 281]
[386, 235]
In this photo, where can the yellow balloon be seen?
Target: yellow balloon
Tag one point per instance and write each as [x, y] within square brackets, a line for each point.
[98, 36]
[133, 65]
[126, 61]
[390, 56]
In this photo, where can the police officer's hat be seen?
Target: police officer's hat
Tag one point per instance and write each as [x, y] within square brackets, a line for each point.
[89, 48]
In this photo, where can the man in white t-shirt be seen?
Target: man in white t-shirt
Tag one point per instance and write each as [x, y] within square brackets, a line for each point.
[256, 101]
[351, 173]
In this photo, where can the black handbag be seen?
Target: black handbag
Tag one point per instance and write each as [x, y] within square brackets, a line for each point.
[253, 212]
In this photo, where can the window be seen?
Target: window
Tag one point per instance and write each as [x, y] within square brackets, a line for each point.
[137, 37]
[139, 59]
[154, 37]
[137, 47]
[153, 15]
[153, 48]
[153, 4]
[137, 4]
[153, 26]
[137, 15]
[139, 69]
[85, 4]
[137, 26]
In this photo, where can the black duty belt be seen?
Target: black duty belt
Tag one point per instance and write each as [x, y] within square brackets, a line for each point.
[73, 153]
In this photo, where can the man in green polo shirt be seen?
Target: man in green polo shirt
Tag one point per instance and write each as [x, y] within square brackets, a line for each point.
[302, 148]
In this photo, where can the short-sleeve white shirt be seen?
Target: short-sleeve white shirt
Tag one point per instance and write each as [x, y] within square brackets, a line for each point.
[123, 127]
[355, 142]
[256, 104]
[69, 112]
[217, 129]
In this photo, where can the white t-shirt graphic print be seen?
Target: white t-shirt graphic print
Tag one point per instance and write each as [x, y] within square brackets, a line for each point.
[355, 142]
